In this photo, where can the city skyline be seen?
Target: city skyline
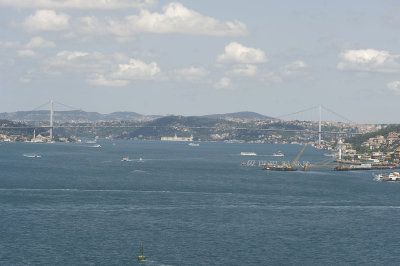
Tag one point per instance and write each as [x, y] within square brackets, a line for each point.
[201, 57]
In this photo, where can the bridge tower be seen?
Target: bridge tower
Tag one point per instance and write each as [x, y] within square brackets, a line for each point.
[319, 125]
[51, 118]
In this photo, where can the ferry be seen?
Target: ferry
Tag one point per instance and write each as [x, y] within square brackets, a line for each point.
[245, 153]
[278, 154]
[194, 144]
[394, 176]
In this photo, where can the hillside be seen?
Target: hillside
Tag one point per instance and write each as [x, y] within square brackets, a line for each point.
[240, 115]
[358, 140]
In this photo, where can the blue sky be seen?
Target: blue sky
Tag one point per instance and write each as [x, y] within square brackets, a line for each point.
[202, 57]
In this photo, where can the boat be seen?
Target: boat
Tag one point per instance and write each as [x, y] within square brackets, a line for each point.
[125, 159]
[245, 153]
[194, 144]
[140, 160]
[278, 167]
[278, 154]
[141, 257]
[352, 167]
[32, 155]
[394, 176]
[285, 166]
[96, 146]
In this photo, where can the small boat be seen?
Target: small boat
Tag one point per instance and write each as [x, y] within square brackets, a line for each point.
[141, 257]
[140, 160]
[278, 154]
[394, 176]
[96, 146]
[194, 144]
[32, 155]
[125, 159]
[245, 153]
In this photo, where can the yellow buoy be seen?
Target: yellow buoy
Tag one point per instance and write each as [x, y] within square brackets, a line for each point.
[141, 257]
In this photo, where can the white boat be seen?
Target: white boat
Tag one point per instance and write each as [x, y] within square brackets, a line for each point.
[32, 155]
[246, 153]
[125, 159]
[96, 146]
[194, 144]
[394, 176]
[278, 154]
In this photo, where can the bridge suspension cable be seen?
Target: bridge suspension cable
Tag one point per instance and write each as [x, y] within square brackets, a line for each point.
[339, 115]
[298, 112]
[37, 108]
[68, 106]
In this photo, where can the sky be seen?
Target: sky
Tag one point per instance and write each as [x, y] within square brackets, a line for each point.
[203, 57]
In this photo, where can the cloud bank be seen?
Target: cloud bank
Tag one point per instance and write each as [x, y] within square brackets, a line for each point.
[369, 60]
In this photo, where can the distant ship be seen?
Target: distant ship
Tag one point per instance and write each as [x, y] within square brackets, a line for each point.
[278, 154]
[125, 159]
[176, 138]
[395, 176]
[32, 155]
[245, 153]
[194, 144]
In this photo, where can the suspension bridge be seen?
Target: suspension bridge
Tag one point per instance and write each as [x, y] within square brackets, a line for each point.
[294, 116]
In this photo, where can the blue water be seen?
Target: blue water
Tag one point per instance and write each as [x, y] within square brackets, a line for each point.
[79, 205]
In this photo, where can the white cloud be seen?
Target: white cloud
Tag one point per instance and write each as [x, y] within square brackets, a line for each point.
[179, 19]
[190, 74]
[26, 53]
[295, 68]
[136, 69]
[100, 80]
[78, 4]
[80, 62]
[223, 83]
[46, 20]
[394, 87]
[369, 60]
[39, 42]
[175, 19]
[247, 70]
[238, 53]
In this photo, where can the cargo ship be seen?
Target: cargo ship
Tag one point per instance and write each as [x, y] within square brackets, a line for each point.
[351, 167]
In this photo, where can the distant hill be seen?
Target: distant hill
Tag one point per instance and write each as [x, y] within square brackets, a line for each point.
[240, 115]
[76, 115]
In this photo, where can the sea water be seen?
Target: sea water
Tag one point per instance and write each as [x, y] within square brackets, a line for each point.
[81, 205]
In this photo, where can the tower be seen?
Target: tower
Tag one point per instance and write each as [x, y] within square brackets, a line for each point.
[319, 125]
[51, 118]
